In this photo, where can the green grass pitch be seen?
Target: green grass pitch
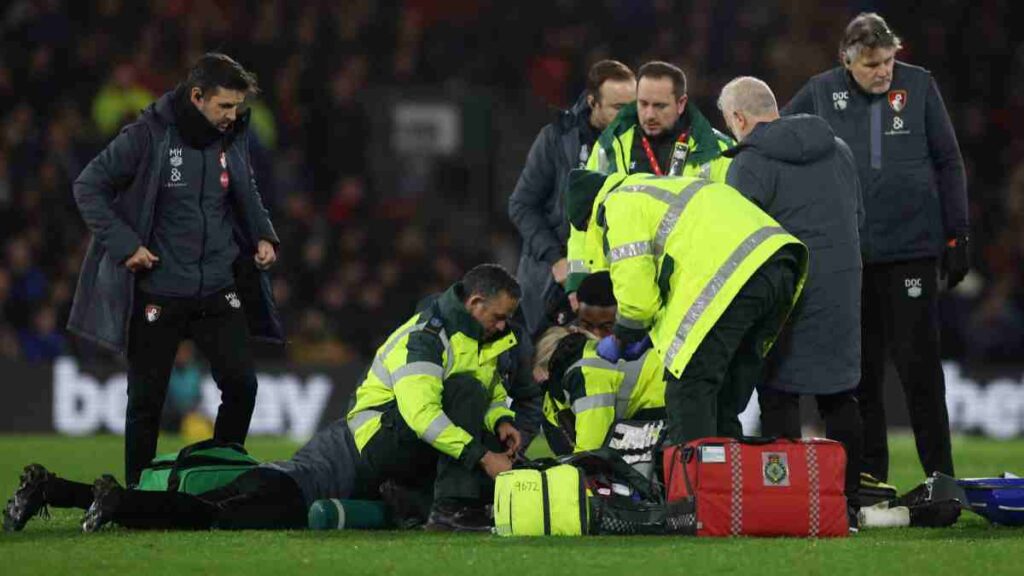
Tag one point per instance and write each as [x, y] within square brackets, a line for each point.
[55, 546]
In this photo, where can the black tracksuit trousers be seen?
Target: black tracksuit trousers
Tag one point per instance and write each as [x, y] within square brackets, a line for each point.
[217, 325]
[900, 318]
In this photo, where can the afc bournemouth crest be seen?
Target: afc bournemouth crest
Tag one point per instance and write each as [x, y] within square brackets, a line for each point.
[897, 100]
[152, 313]
[775, 468]
[233, 300]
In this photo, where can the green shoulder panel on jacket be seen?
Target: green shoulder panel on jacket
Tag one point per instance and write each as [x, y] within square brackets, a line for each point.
[708, 143]
[423, 346]
[625, 121]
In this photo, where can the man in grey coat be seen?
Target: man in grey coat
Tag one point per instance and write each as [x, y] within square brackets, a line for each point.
[535, 206]
[181, 242]
[801, 174]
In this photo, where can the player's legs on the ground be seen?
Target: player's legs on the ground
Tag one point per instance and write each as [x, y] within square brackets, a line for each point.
[38, 489]
[145, 508]
[262, 499]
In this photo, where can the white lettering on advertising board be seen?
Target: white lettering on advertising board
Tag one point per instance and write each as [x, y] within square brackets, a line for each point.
[285, 403]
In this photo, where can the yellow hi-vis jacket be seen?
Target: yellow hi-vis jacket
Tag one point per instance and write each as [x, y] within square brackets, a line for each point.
[613, 155]
[680, 250]
[411, 365]
[601, 392]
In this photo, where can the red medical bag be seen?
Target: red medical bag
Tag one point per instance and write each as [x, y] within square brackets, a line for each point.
[756, 487]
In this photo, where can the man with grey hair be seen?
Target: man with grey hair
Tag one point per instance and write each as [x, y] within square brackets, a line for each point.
[749, 96]
[801, 174]
[916, 230]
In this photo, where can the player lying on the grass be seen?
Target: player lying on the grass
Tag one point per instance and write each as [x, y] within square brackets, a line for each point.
[273, 495]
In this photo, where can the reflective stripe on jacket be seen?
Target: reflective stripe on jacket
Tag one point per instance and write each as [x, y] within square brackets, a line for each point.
[410, 367]
[601, 393]
[680, 249]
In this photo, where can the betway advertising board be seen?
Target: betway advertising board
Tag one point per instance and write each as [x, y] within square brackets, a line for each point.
[294, 401]
[67, 398]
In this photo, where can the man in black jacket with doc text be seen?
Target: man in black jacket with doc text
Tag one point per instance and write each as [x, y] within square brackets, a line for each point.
[916, 230]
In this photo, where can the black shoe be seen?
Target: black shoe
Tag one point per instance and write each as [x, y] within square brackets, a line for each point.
[106, 495]
[408, 508]
[935, 514]
[28, 500]
[445, 517]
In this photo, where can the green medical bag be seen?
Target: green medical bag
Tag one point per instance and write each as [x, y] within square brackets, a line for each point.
[197, 468]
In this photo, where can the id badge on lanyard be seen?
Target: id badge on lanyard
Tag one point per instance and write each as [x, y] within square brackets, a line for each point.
[680, 151]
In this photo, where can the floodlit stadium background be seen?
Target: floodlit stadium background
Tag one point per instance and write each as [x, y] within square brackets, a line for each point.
[391, 135]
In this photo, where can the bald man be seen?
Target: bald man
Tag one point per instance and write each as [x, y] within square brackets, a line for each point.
[801, 174]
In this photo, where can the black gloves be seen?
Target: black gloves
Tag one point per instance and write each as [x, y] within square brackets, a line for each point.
[956, 261]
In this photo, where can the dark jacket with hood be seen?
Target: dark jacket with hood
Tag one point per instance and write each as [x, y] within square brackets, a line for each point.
[536, 207]
[803, 176]
[117, 194]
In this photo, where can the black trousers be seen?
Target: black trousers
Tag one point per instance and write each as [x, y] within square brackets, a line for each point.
[395, 452]
[717, 383]
[780, 417]
[899, 319]
[218, 326]
[262, 498]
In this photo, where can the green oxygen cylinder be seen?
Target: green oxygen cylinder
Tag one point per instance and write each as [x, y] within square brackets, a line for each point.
[338, 514]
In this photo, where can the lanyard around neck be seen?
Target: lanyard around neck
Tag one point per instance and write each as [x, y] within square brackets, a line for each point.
[679, 153]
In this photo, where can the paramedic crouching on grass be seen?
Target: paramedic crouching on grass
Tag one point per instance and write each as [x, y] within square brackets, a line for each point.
[433, 400]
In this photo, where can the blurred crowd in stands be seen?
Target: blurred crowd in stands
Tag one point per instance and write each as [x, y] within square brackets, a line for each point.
[353, 262]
